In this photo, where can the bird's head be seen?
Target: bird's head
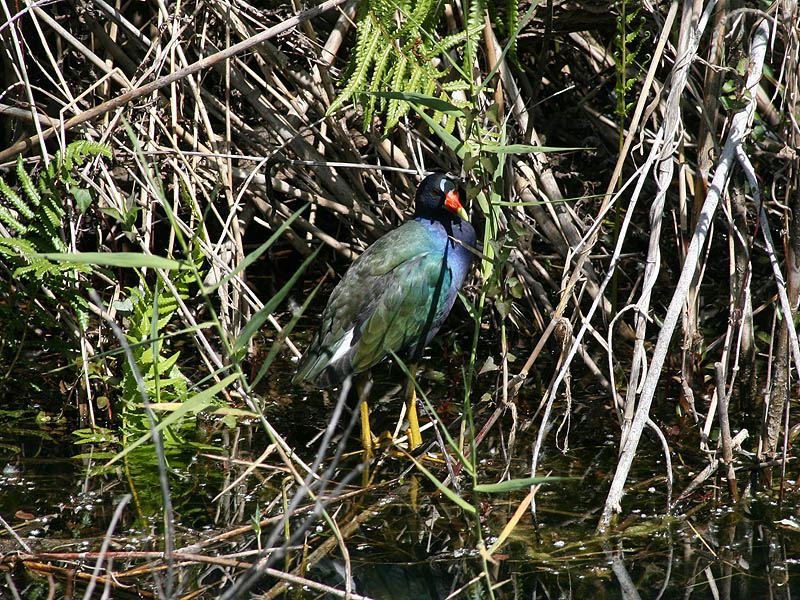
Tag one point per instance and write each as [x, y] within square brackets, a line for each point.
[439, 191]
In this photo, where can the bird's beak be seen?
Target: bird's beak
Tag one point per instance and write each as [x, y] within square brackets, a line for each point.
[452, 202]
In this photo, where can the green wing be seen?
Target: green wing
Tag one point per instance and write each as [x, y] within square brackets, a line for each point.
[405, 312]
[386, 302]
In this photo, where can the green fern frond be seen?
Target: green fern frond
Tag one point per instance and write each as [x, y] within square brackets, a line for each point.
[40, 210]
[28, 187]
[15, 247]
[61, 167]
[81, 307]
[474, 23]
[377, 77]
[80, 149]
[397, 50]
[423, 12]
[512, 21]
[449, 42]
[365, 50]
[9, 219]
[395, 109]
[48, 226]
[412, 85]
[36, 216]
[39, 267]
[417, 79]
[165, 366]
[42, 268]
[629, 42]
[453, 86]
[159, 368]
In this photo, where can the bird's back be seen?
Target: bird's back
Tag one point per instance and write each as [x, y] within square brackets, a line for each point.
[393, 298]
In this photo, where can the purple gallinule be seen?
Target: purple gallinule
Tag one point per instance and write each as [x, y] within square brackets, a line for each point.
[394, 297]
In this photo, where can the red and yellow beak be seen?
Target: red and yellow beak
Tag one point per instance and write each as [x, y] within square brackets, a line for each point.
[452, 202]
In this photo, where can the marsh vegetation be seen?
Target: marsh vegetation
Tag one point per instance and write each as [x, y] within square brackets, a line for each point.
[610, 408]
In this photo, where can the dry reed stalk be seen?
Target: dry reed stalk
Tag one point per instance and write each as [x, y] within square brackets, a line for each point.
[738, 130]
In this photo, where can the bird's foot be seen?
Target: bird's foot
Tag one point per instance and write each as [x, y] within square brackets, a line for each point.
[376, 444]
[384, 440]
[387, 443]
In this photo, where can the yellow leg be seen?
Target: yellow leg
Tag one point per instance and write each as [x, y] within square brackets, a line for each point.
[414, 435]
[366, 433]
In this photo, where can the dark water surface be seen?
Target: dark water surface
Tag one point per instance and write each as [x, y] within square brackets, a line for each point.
[405, 540]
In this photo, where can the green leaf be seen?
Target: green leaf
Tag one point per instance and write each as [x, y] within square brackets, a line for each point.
[9, 219]
[473, 312]
[525, 149]
[116, 259]
[503, 307]
[488, 366]
[99, 435]
[368, 42]
[444, 489]
[452, 142]
[165, 364]
[27, 186]
[741, 66]
[124, 306]
[493, 113]
[83, 198]
[516, 484]
[422, 100]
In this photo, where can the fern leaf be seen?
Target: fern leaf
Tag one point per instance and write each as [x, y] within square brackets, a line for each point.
[394, 112]
[396, 49]
[512, 20]
[416, 80]
[364, 55]
[455, 85]
[28, 187]
[16, 247]
[9, 219]
[166, 364]
[80, 149]
[412, 85]
[422, 9]
[474, 22]
[449, 42]
[81, 307]
[40, 268]
[414, 20]
[60, 169]
[48, 225]
[375, 85]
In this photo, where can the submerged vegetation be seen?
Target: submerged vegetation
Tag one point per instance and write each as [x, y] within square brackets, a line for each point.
[180, 190]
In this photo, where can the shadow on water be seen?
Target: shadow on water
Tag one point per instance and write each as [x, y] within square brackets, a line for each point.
[402, 537]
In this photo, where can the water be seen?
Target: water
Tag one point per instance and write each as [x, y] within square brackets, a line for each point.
[404, 538]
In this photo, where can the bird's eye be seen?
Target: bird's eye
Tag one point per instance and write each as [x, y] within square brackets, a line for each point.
[446, 186]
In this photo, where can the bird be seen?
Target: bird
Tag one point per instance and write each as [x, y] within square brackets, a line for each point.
[394, 297]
